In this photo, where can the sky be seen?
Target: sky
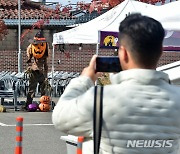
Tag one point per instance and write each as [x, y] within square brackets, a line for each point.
[65, 2]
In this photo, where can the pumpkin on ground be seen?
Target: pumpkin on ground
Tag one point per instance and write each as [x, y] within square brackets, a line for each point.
[45, 99]
[44, 105]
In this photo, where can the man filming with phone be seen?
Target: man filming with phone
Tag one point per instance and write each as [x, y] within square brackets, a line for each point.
[140, 105]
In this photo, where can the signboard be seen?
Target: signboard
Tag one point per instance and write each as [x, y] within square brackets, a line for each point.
[171, 41]
[109, 40]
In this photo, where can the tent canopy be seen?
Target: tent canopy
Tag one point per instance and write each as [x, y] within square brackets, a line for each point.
[87, 33]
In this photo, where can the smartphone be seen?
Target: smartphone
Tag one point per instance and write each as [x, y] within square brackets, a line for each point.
[108, 64]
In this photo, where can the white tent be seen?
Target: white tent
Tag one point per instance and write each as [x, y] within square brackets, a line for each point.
[87, 33]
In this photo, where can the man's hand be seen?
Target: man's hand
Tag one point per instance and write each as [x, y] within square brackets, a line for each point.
[90, 70]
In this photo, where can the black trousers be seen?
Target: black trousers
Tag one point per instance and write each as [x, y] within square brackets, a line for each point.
[35, 78]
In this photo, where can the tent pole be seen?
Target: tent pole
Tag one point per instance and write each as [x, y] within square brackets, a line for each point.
[52, 70]
[97, 48]
[97, 45]
[19, 38]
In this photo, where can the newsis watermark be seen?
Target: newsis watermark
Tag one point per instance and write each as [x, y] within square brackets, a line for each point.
[149, 143]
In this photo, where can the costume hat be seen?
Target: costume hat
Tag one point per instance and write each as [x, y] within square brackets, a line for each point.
[38, 38]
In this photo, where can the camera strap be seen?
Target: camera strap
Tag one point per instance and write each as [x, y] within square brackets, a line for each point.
[97, 118]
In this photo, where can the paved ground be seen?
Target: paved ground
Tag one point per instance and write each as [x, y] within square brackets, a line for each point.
[39, 134]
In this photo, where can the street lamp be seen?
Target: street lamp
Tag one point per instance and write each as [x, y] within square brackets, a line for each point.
[19, 38]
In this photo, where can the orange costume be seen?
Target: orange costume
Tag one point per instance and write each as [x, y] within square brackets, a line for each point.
[39, 51]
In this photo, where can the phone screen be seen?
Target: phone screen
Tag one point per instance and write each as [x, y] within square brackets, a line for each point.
[108, 64]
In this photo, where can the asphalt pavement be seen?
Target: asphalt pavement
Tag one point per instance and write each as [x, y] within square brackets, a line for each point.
[39, 134]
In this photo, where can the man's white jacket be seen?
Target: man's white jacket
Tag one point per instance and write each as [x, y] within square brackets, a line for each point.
[141, 113]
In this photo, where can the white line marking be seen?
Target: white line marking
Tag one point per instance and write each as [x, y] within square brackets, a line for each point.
[1, 124]
[5, 125]
[38, 124]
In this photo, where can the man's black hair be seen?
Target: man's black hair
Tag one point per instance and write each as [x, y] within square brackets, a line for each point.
[144, 37]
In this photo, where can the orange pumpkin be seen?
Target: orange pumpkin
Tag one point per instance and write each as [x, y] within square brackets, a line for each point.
[45, 99]
[44, 107]
[38, 50]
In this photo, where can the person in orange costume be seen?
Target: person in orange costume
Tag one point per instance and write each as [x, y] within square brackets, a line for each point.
[39, 51]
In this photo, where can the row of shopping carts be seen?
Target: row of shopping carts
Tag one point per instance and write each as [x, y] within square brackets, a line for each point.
[58, 81]
[14, 85]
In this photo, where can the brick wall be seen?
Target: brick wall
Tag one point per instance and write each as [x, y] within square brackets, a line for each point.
[10, 41]
[169, 57]
[72, 59]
